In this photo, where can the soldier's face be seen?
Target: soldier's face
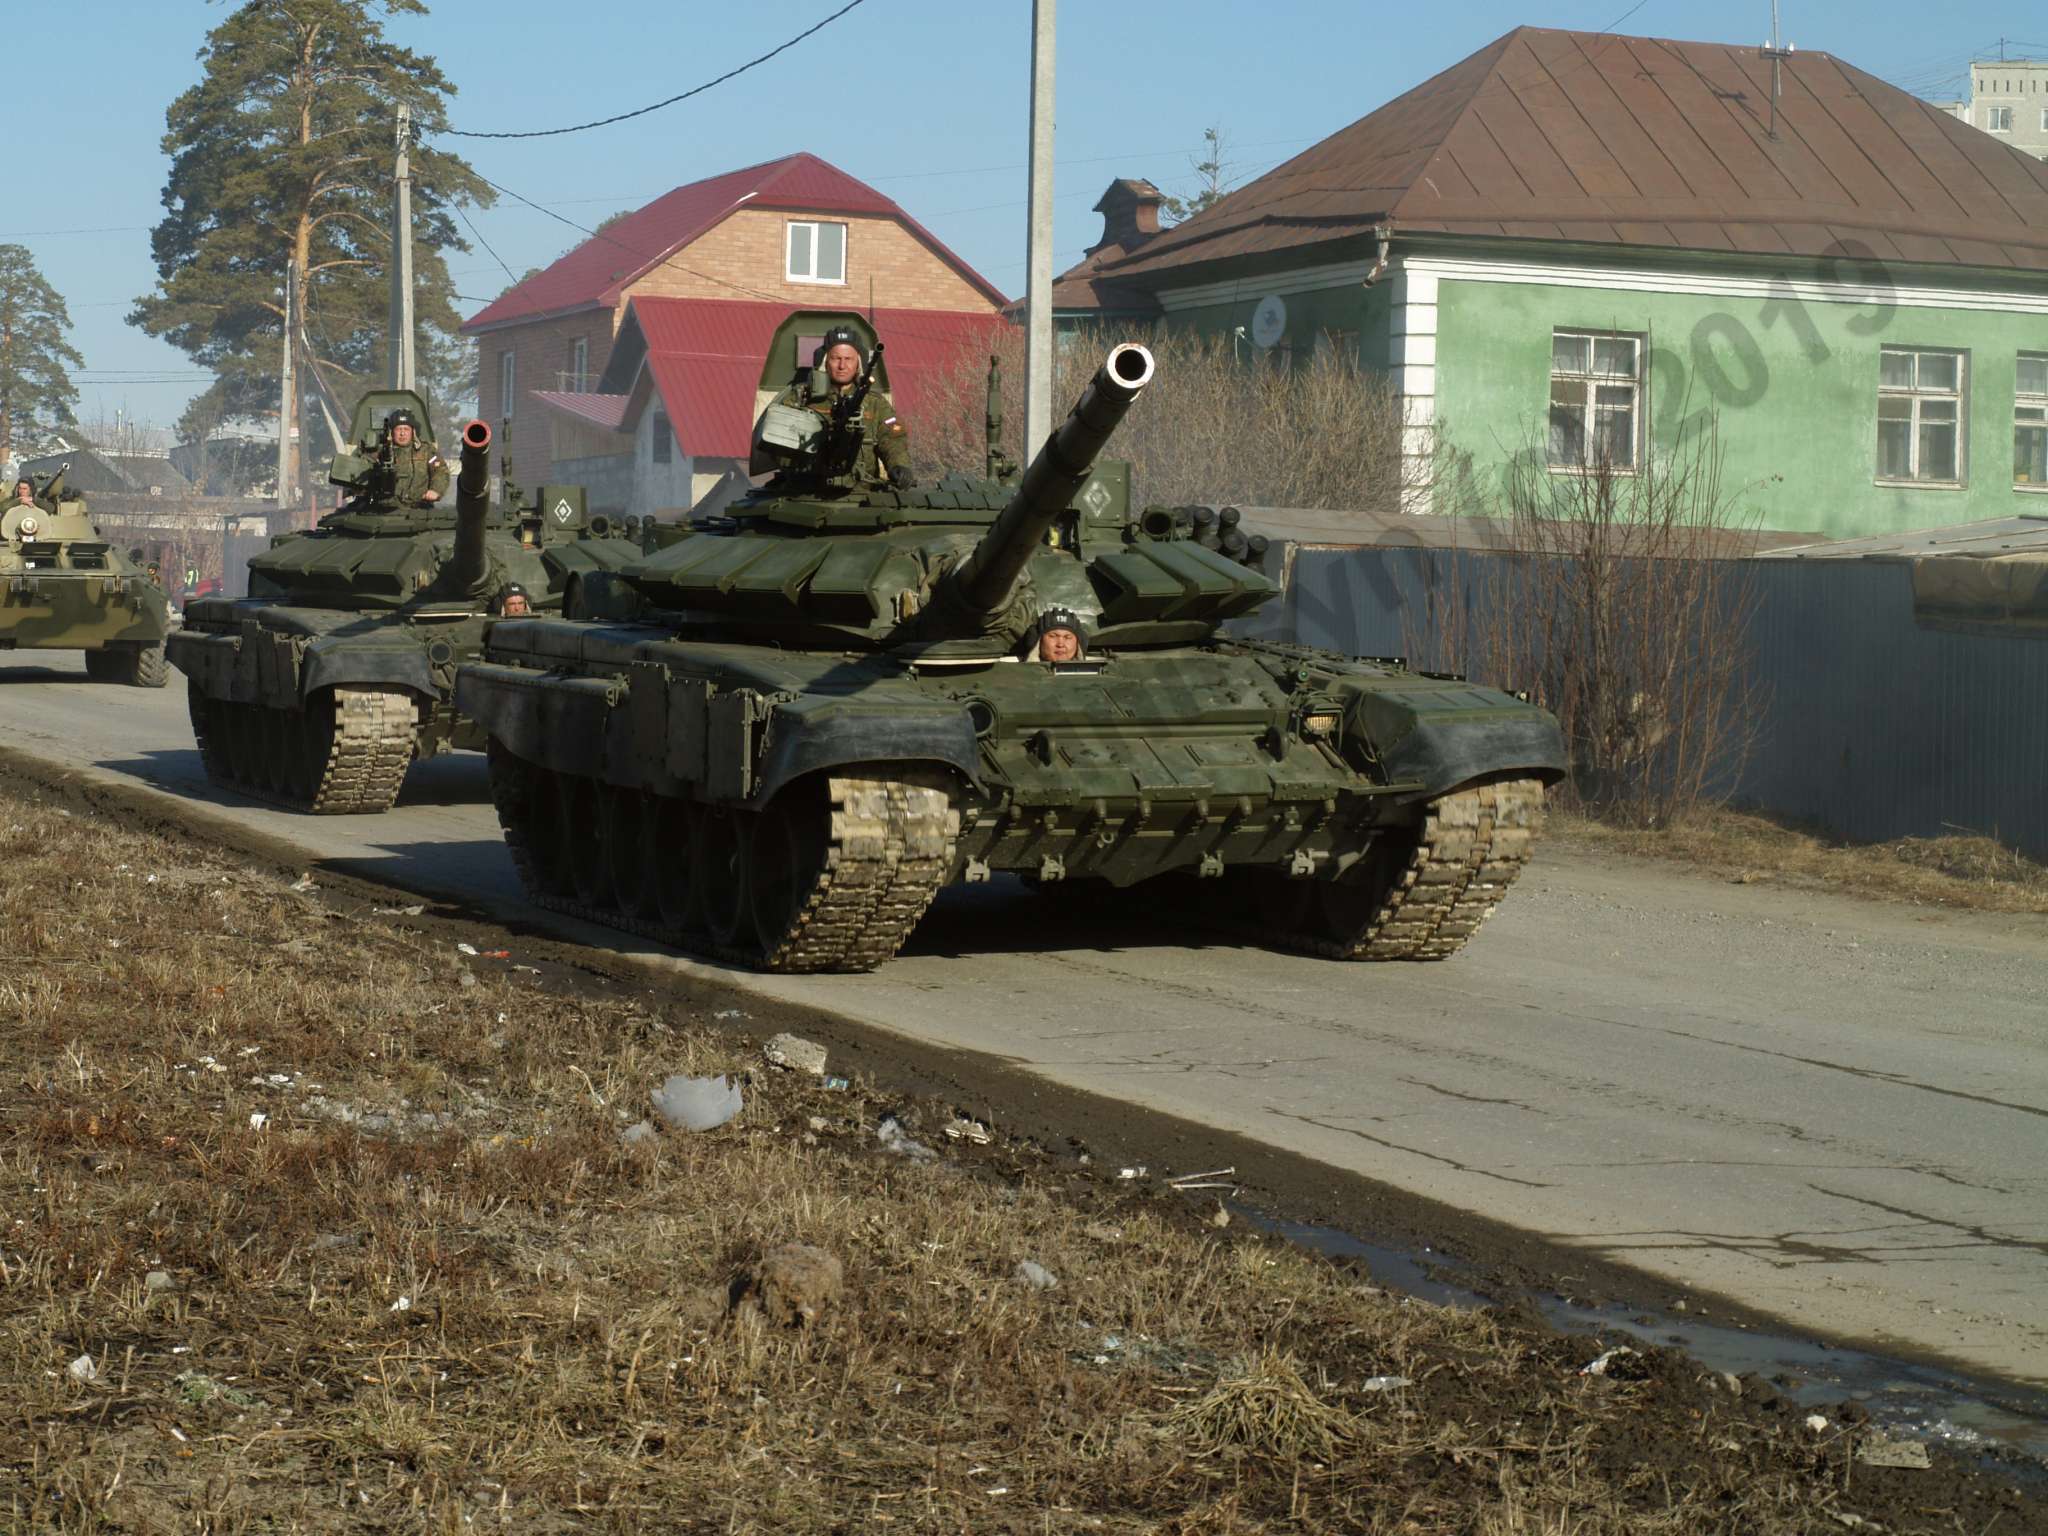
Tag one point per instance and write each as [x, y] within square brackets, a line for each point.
[23, 491]
[515, 605]
[842, 364]
[401, 435]
[1059, 645]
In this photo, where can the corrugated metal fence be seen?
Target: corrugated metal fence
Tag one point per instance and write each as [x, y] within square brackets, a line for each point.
[1873, 726]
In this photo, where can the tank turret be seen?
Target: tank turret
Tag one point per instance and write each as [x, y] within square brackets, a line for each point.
[985, 583]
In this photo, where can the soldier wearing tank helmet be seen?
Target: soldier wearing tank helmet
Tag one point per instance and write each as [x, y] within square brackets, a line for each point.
[418, 477]
[884, 457]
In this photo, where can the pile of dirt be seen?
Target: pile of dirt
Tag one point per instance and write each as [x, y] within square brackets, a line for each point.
[318, 1220]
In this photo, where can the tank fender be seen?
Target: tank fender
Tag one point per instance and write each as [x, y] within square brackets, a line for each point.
[806, 735]
[557, 722]
[1444, 734]
[331, 660]
[211, 661]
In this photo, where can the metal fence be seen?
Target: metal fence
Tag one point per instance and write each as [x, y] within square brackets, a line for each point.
[1872, 726]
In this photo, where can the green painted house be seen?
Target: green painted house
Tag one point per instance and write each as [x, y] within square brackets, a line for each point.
[1580, 247]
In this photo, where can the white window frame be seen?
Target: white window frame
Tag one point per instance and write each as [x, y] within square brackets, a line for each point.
[2030, 415]
[1998, 119]
[2044, 119]
[1589, 383]
[1921, 405]
[812, 227]
[508, 381]
[579, 364]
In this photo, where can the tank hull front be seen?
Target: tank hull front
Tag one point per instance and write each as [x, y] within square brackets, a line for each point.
[79, 611]
[1198, 762]
[321, 709]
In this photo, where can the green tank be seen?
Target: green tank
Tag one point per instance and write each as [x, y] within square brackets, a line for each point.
[321, 687]
[63, 587]
[775, 740]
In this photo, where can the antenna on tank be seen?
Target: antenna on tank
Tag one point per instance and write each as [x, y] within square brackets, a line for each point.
[1777, 54]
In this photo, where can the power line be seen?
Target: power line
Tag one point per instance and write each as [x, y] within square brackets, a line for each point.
[605, 122]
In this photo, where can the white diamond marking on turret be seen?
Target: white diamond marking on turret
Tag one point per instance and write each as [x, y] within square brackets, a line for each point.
[563, 511]
[1096, 498]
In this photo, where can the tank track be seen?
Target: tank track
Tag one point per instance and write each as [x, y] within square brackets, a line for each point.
[1464, 856]
[889, 848]
[358, 769]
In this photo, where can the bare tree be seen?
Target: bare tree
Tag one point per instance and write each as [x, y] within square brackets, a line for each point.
[1219, 424]
[1624, 608]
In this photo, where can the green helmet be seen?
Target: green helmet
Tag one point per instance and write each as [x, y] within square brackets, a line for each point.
[402, 418]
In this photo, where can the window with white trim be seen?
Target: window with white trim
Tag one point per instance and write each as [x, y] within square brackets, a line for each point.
[1919, 416]
[579, 365]
[816, 252]
[1998, 119]
[2044, 119]
[2030, 421]
[508, 376]
[1595, 400]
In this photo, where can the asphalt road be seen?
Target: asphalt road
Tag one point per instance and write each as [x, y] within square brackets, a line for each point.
[1831, 1110]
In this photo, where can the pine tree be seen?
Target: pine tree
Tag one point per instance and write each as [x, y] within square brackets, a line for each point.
[281, 161]
[1210, 182]
[36, 391]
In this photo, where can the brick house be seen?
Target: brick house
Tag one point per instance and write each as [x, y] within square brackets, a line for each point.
[793, 233]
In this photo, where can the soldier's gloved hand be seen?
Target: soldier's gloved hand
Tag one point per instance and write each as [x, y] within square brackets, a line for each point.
[902, 480]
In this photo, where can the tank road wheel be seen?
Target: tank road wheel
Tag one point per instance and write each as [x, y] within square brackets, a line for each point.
[276, 744]
[547, 833]
[789, 879]
[583, 839]
[209, 733]
[525, 798]
[245, 744]
[678, 864]
[1422, 891]
[629, 854]
[725, 839]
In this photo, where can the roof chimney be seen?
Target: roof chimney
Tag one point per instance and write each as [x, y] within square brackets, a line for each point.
[1130, 214]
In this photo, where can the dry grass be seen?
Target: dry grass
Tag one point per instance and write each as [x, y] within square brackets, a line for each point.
[343, 1225]
[1961, 870]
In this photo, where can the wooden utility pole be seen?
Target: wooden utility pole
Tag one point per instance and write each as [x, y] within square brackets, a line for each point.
[1038, 240]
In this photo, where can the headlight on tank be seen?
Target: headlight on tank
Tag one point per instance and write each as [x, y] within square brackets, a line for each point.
[1321, 724]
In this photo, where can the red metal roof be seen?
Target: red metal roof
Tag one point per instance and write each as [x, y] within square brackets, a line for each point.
[1646, 142]
[605, 411]
[705, 357]
[595, 273]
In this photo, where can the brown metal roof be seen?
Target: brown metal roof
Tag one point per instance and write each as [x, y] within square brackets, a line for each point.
[1639, 141]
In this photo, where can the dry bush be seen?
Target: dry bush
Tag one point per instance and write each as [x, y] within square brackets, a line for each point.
[1220, 423]
[1624, 609]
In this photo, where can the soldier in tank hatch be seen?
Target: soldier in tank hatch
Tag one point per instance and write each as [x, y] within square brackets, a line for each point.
[1060, 637]
[418, 477]
[512, 602]
[885, 445]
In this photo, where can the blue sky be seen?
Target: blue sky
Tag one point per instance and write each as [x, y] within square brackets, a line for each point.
[926, 99]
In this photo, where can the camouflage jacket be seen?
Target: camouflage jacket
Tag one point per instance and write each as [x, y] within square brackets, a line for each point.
[883, 440]
[415, 470]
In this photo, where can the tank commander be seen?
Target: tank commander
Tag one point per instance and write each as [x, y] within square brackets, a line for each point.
[512, 603]
[1060, 637]
[418, 477]
[24, 492]
[884, 458]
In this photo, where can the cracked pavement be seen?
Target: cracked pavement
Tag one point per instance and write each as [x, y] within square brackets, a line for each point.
[1831, 1110]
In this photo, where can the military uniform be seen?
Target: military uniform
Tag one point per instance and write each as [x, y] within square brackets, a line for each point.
[415, 470]
[883, 440]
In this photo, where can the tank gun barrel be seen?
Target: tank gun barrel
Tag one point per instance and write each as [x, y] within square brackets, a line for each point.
[470, 565]
[988, 577]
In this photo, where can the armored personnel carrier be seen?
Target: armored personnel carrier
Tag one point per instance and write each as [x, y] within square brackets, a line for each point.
[321, 687]
[63, 587]
[774, 740]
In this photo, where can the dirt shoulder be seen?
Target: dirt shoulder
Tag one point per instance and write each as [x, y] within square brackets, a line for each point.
[1962, 871]
[316, 1221]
